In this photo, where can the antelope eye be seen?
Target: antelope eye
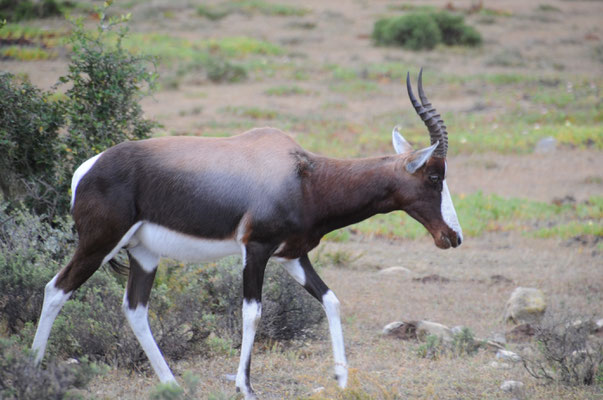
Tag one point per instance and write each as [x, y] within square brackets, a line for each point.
[434, 178]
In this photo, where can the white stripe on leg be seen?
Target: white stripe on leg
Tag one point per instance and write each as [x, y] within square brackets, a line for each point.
[54, 299]
[252, 312]
[139, 323]
[331, 305]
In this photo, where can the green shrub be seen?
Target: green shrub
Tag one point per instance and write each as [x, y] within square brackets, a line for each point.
[100, 109]
[107, 83]
[17, 10]
[425, 30]
[31, 251]
[565, 351]
[20, 379]
[454, 31]
[29, 136]
[413, 31]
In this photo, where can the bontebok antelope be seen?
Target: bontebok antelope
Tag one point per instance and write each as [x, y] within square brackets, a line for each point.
[258, 194]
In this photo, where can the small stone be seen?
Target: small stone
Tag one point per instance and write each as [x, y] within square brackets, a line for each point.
[498, 337]
[520, 333]
[526, 305]
[546, 145]
[318, 389]
[426, 328]
[433, 278]
[387, 329]
[499, 365]
[401, 330]
[515, 388]
[72, 361]
[455, 330]
[394, 271]
[492, 345]
[507, 355]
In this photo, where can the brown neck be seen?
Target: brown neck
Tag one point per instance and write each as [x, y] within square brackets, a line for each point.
[344, 192]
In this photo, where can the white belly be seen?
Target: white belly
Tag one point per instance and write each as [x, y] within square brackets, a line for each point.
[171, 244]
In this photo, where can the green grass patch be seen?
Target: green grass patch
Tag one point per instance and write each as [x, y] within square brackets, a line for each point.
[248, 7]
[571, 229]
[167, 47]
[287, 90]
[356, 86]
[26, 53]
[255, 113]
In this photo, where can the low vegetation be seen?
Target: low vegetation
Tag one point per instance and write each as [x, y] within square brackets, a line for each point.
[21, 380]
[564, 351]
[248, 7]
[425, 30]
[17, 10]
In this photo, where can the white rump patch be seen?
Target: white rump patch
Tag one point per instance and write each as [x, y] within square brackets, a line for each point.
[79, 174]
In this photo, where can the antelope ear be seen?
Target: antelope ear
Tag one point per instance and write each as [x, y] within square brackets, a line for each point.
[420, 157]
[400, 144]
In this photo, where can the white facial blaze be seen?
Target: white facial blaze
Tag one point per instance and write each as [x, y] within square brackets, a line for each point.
[448, 211]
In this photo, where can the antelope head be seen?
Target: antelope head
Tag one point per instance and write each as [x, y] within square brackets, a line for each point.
[425, 195]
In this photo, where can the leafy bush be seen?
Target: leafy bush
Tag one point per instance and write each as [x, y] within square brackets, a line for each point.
[21, 379]
[100, 109]
[455, 32]
[565, 352]
[413, 31]
[31, 252]
[29, 134]
[17, 10]
[107, 83]
[425, 30]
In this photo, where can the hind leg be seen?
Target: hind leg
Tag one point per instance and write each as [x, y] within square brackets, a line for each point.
[96, 247]
[143, 266]
[58, 291]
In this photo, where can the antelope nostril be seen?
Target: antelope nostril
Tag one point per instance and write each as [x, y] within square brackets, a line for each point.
[459, 240]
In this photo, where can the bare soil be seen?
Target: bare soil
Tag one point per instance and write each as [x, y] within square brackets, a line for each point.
[569, 272]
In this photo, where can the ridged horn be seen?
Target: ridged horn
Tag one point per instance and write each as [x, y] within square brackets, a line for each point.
[429, 115]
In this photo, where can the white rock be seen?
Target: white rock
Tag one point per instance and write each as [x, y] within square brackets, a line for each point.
[507, 355]
[387, 329]
[513, 387]
[499, 365]
[546, 145]
[526, 305]
[72, 361]
[426, 328]
[394, 271]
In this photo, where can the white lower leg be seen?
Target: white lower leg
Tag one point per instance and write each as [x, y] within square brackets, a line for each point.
[54, 299]
[252, 311]
[139, 323]
[331, 305]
